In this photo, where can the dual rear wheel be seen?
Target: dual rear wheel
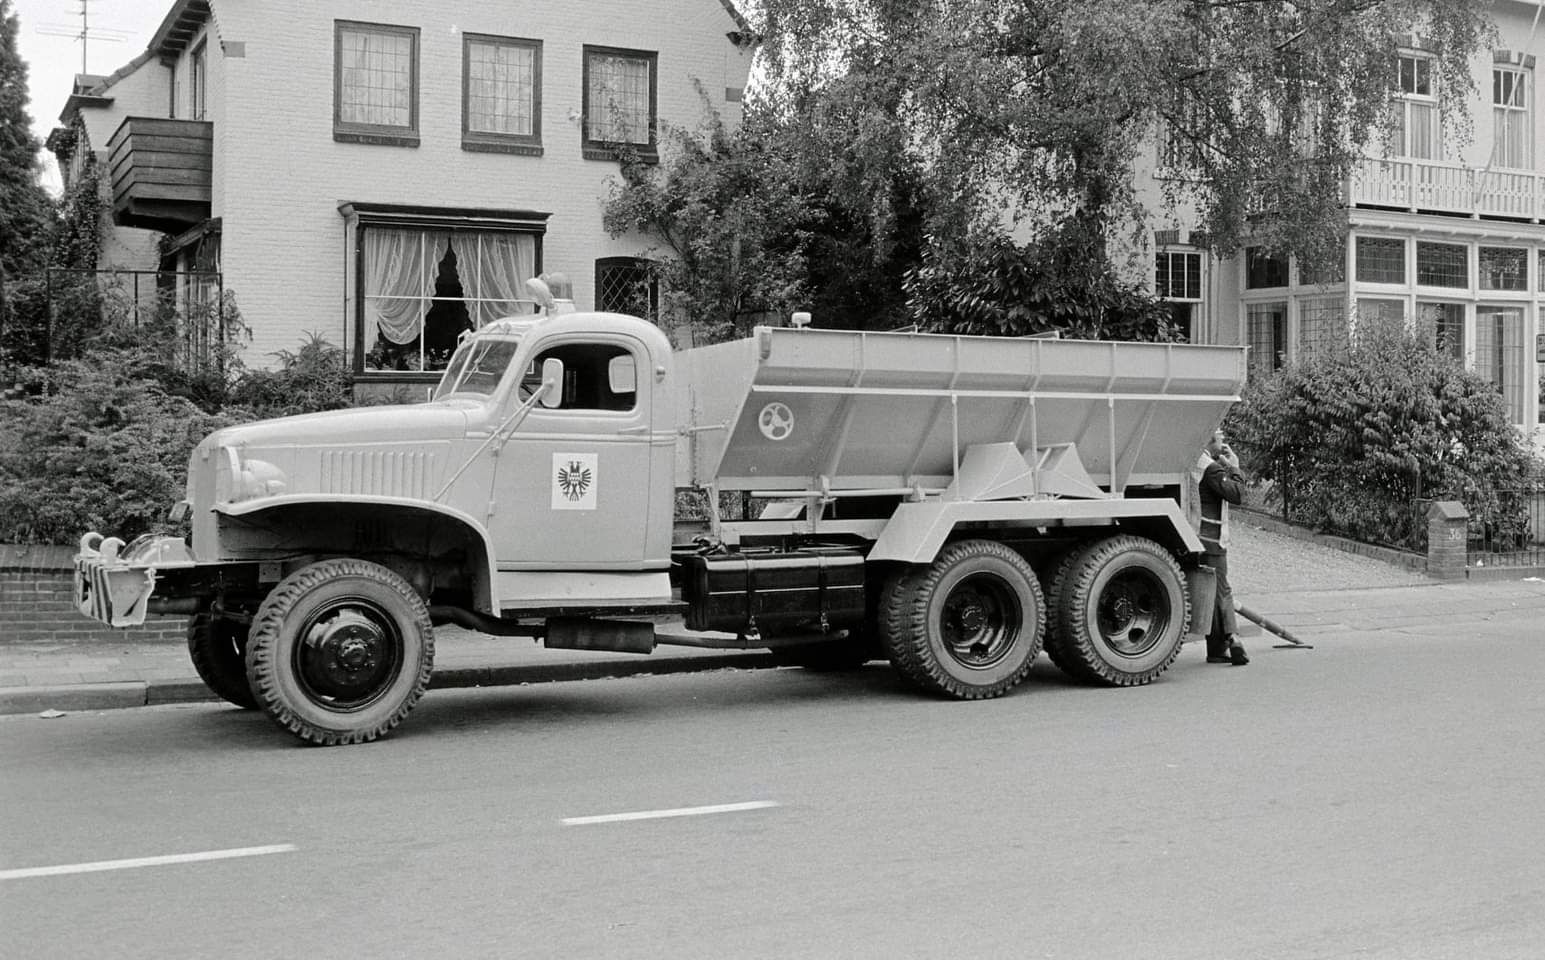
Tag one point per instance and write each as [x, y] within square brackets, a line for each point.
[970, 624]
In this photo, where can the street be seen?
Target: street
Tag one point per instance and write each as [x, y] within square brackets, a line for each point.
[1377, 796]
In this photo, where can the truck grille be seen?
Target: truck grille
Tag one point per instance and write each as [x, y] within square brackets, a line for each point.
[377, 473]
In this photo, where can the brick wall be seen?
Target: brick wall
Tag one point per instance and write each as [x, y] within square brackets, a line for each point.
[37, 604]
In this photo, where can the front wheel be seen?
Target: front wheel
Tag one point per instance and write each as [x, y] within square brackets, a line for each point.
[340, 651]
[969, 625]
[1123, 612]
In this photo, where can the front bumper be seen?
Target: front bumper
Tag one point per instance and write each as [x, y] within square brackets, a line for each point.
[114, 582]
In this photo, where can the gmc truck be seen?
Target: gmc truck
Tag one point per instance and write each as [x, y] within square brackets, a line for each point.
[952, 504]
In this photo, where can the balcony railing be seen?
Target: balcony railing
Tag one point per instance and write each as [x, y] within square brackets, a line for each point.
[1430, 186]
[161, 173]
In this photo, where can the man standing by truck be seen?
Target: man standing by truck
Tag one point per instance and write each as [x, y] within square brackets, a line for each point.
[1221, 483]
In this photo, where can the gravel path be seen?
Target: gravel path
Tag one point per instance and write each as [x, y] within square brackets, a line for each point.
[1264, 562]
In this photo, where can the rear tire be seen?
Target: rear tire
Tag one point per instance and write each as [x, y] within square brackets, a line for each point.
[1056, 601]
[340, 652]
[969, 625]
[217, 648]
[1123, 613]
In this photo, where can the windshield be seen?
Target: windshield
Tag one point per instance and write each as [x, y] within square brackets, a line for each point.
[477, 367]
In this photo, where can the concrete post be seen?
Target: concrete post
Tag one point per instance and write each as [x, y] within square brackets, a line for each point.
[1447, 551]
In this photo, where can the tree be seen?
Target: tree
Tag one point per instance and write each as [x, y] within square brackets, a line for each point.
[24, 206]
[1030, 112]
[764, 219]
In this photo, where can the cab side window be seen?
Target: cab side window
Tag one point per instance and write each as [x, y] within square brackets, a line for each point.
[596, 376]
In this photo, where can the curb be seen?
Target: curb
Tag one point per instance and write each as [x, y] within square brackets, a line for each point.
[115, 696]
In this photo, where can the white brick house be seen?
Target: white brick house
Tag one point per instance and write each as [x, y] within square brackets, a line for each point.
[383, 172]
[1451, 233]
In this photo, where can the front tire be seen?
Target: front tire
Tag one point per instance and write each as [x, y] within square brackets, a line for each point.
[217, 648]
[968, 626]
[1123, 612]
[340, 652]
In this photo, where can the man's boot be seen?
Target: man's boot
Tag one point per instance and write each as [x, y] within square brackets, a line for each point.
[1236, 653]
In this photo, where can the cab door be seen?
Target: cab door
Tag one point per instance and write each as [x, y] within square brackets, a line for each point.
[571, 484]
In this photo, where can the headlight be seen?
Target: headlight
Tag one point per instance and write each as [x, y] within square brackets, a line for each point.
[244, 479]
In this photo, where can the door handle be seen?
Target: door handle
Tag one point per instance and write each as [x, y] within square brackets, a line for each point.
[641, 428]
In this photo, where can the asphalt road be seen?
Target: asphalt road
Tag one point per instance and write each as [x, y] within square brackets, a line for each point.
[1377, 797]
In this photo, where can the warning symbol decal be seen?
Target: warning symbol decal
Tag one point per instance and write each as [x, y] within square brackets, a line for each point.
[574, 480]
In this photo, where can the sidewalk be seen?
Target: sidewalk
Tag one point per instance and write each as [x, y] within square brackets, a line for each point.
[1311, 590]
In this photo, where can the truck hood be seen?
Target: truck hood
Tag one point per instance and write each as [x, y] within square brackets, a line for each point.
[389, 451]
[365, 425]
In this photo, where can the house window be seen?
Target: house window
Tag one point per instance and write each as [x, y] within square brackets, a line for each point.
[375, 84]
[171, 90]
[1375, 314]
[1419, 127]
[1177, 275]
[1442, 264]
[1263, 270]
[1177, 280]
[1511, 114]
[420, 288]
[1381, 260]
[1499, 354]
[1504, 268]
[1266, 329]
[619, 102]
[627, 285]
[1321, 322]
[501, 94]
[1445, 324]
[196, 71]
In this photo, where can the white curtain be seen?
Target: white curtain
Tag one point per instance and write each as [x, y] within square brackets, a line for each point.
[494, 267]
[400, 267]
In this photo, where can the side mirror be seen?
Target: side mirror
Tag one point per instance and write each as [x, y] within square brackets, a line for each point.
[552, 383]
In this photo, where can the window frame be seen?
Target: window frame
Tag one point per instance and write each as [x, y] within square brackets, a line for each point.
[198, 72]
[1523, 79]
[391, 135]
[1170, 254]
[488, 141]
[595, 149]
[1414, 97]
[641, 264]
[362, 216]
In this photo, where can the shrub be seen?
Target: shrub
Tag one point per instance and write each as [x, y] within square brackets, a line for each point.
[100, 447]
[314, 377]
[1361, 435]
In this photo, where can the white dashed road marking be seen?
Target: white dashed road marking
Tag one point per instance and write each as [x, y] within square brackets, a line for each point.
[101, 865]
[677, 812]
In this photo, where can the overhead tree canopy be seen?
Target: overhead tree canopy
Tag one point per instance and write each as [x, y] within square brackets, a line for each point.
[1036, 108]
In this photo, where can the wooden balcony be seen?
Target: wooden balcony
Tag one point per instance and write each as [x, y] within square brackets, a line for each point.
[160, 173]
[1431, 186]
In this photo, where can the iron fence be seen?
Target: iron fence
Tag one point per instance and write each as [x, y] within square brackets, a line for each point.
[1510, 533]
[49, 317]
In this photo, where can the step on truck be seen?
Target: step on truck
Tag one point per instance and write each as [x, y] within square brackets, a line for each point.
[952, 504]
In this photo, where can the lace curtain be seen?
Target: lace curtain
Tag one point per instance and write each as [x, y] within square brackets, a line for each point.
[493, 267]
[400, 268]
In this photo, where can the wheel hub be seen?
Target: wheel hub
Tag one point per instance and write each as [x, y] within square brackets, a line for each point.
[344, 654]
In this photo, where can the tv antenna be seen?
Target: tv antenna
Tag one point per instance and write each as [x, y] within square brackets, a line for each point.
[85, 34]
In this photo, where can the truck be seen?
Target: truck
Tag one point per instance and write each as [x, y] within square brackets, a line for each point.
[952, 504]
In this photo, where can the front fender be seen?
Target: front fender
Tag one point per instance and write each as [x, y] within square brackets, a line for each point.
[379, 508]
